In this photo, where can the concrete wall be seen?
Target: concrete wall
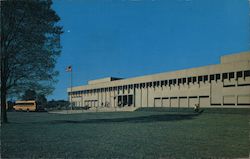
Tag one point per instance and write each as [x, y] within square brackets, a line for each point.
[223, 85]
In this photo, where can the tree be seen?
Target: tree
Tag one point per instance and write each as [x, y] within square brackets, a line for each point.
[33, 95]
[58, 104]
[41, 101]
[29, 95]
[30, 45]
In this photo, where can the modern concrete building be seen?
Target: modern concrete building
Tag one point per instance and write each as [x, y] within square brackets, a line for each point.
[222, 85]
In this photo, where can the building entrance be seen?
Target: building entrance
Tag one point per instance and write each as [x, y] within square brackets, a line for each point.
[125, 100]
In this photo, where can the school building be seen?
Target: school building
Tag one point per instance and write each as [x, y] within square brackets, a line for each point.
[222, 85]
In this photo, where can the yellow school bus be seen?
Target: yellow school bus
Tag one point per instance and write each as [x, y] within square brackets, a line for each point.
[25, 105]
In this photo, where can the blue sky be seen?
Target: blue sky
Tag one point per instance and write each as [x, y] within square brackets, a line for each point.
[128, 38]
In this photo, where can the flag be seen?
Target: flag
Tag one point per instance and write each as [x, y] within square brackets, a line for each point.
[69, 69]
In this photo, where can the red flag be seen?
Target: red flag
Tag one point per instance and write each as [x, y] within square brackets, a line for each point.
[69, 69]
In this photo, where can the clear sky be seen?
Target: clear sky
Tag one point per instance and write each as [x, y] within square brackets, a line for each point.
[128, 38]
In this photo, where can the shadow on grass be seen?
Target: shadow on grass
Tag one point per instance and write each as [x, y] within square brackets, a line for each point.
[140, 119]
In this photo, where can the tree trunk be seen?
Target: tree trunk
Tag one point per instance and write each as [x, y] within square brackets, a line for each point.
[3, 104]
[3, 91]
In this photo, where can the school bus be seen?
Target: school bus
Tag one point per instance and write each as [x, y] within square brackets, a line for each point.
[25, 105]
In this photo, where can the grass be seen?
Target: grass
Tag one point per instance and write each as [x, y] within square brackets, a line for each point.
[147, 133]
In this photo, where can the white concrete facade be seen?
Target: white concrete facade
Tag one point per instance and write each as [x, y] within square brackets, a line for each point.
[223, 85]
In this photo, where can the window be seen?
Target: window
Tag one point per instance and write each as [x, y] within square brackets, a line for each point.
[231, 75]
[211, 77]
[184, 80]
[162, 83]
[136, 86]
[170, 82]
[174, 81]
[140, 85]
[130, 100]
[239, 74]
[224, 76]
[199, 78]
[205, 78]
[247, 73]
[149, 84]
[217, 76]
[158, 83]
[194, 79]
[154, 83]
[179, 81]
[189, 79]
[166, 82]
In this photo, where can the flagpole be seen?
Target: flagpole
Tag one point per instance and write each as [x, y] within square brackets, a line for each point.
[71, 87]
[69, 69]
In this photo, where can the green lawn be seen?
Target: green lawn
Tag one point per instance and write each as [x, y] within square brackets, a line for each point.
[149, 133]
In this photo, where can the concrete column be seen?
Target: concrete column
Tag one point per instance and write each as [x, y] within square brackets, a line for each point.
[109, 97]
[98, 98]
[141, 96]
[134, 95]
[147, 96]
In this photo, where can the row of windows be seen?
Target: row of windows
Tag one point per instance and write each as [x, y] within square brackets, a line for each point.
[188, 80]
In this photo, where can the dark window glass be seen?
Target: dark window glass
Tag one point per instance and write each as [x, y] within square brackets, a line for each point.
[189, 79]
[239, 74]
[194, 79]
[211, 77]
[162, 83]
[200, 78]
[217, 76]
[206, 78]
[166, 82]
[174, 81]
[178, 81]
[154, 84]
[170, 82]
[224, 75]
[184, 80]
[141, 85]
[231, 75]
[149, 84]
[247, 73]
